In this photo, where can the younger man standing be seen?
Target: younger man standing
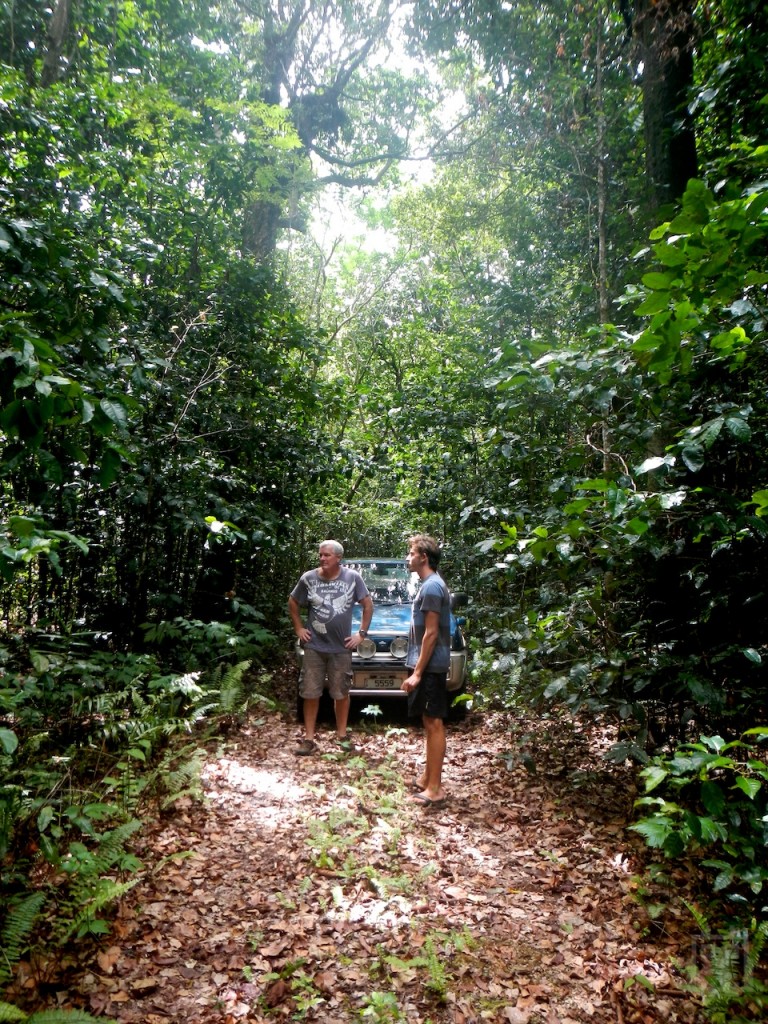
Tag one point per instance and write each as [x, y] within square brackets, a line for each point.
[329, 592]
[429, 659]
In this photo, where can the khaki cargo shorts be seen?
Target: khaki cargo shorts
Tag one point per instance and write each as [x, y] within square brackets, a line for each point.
[319, 667]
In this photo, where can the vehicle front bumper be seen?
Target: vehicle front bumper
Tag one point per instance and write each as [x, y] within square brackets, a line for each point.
[382, 675]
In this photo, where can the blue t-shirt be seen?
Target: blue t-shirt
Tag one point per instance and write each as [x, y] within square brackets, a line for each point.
[330, 604]
[432, 597]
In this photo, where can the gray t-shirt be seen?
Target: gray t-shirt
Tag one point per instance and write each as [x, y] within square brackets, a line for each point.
[330, 604]
[432, 597]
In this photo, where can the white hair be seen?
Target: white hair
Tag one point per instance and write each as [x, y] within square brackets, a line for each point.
[337, 549]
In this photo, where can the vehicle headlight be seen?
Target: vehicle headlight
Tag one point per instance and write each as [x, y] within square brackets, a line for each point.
[399, 647]
[366, 648]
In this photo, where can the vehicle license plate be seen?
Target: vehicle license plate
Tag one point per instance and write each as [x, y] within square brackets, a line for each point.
[381, 683]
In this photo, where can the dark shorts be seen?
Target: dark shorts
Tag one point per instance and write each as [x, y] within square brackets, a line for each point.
[430, 697]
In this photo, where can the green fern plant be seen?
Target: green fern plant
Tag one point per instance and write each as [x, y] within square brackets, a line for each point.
[729, 985]
[89, 890]
[436, 980]
[195, 644]
[334, 836]
[757, 943]
[101, 893]
[127, 784]
[17, 927]
[184, 779]
[381, 1008]
[232, 697]
[10, 1014]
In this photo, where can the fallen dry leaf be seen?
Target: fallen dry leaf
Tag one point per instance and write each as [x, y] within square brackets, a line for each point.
[107, 959]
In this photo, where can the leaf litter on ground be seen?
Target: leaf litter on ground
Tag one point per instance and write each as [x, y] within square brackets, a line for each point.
[315, 889]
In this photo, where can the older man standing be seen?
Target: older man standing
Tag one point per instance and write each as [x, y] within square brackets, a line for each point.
[329, 593]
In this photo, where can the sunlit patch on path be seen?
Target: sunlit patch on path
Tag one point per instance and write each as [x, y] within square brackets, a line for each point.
[266, 788]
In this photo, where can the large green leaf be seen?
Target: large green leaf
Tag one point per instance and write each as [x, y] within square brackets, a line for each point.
[114, 411]
[656, 830]
[713, 798]
[749, 786]
[8, 740]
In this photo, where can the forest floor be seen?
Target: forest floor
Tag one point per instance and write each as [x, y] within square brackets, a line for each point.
[315, 889]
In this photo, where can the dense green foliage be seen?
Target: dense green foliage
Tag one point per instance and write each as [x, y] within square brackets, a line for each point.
[652, 560]
[530, 355]
[720, 808]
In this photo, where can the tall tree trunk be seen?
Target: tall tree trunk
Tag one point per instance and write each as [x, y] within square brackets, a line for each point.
[602, 186]
[57, 37]
[664, 30]
[602, 204]
[261, 222]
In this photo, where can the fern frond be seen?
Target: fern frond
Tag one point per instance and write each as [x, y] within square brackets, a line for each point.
[89, 890]
[112, 845]
[11, 1014]
[757, 943]
[86, 866]
[231, 695]
[17, 927]
[103, 893]
[172, 726]
[724, 967]
[185, 775]
[183, 780]
[66, 1017]
[698, 916]
[193, 792]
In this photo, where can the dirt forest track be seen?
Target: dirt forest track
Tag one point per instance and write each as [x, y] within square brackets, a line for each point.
[314, 889]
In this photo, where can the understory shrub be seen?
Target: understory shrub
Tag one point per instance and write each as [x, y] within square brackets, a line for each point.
[635, 588]
[709, 800]
[88, 746]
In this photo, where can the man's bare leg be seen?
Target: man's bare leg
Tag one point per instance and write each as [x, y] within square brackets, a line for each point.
[435, 745]
[311, 707]
[341, 710]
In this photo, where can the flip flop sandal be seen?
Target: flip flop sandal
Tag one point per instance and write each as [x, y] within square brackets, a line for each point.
[426, 801]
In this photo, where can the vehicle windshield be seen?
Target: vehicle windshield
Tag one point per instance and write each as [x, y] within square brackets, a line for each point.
[388, 582]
